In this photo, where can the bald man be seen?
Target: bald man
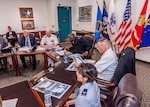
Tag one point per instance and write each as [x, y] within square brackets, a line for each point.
[79, 45]
[49, 41]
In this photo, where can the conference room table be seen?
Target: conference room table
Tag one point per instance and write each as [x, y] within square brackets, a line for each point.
[21, 91]
[28, 97]
[18, 53]
[60, 75]
[54, 56]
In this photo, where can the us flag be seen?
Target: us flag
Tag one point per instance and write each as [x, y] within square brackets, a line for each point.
[123, 37]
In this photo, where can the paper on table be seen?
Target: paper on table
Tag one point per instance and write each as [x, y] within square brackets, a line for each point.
[25, 49]
[91, 61]
[40, 49]
[61, 53]
[10, 102]
[71, 67]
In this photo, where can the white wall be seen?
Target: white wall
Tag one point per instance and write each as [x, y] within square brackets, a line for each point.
[10, 14]
[88, 26]
[52, 7]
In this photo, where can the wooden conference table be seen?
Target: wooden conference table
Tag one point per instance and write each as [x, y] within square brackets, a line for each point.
[18, 53]
[51, 54]
[28, 99]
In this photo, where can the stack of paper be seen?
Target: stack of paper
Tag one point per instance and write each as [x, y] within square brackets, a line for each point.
[10, 102]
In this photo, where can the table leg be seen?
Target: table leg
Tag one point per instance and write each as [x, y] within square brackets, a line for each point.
[14, 64]
[17, 65]
[45, 61]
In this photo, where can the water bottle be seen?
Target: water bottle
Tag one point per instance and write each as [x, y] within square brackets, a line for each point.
[65, 60]
[47, 98]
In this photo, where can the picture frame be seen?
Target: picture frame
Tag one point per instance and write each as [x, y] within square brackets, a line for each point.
[85, 13]
[27, 24]
[26, 12]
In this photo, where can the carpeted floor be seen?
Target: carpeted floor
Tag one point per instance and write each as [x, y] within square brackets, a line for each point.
[143, 75]
[142, 69]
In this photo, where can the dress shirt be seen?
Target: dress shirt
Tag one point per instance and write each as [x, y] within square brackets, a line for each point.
[89, 95]
[49, 40]
[106, 66]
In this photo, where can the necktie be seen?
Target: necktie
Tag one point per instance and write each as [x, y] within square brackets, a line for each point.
[27, 42]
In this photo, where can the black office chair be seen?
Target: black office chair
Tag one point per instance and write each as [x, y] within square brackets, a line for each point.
[127, 94]
[91, 40]
[126, 64]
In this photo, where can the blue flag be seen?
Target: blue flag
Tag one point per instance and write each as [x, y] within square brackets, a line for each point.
[146, 35]
[98, 24]
[105, 22]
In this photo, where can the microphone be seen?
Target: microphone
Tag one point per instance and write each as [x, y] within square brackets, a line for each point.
[34, 48]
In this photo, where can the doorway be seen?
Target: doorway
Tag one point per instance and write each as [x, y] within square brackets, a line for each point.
[64, 22]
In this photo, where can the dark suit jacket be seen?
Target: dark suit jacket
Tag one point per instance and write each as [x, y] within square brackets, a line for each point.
[125, 65]
[3, 42]
[13, 34]
[80, 45]
[32, 40]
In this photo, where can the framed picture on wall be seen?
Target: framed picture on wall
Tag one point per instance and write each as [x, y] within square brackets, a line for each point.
[26, 12]
[27, 24]
[85, 14]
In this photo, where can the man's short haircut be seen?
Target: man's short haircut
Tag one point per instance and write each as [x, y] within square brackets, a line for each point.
[105, 42]
[88, 70]
[71, 35]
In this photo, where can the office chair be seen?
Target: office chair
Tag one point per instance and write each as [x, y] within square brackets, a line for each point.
[91, 39]
[127, 94]
[37, 37]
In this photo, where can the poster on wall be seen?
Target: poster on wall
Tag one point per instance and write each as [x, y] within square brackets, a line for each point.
[27, 24]
[85, 14]
[26, 12]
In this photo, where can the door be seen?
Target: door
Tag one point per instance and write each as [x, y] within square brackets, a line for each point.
[64, 22]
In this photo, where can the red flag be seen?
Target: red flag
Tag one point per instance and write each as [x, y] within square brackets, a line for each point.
[138, 31]
[124, 33]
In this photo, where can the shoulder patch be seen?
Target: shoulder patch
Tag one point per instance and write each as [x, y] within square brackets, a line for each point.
[44, 36]
[53, 36]
[84, 92]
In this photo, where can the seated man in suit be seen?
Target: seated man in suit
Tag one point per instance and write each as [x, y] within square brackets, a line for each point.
[49, 41]
[3, 43]
[28, 40]
[79, 45]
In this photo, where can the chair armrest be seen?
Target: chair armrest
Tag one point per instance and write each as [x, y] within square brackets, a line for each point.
[105, 82]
